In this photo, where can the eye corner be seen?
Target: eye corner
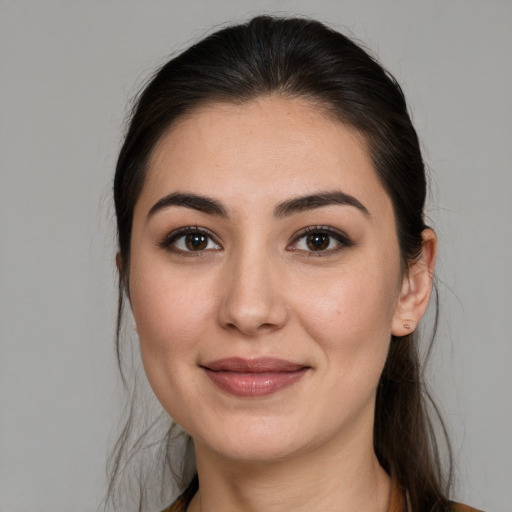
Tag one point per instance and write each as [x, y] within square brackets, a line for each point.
[180, 242]
[329, 240]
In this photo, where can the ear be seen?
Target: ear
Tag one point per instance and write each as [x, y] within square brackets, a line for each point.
[416, 287]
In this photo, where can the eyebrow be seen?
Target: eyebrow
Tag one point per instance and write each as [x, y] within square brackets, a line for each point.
[200, 203]
[313, 201]
[285, 209]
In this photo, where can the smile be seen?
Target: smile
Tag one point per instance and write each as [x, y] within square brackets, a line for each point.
[253, 377]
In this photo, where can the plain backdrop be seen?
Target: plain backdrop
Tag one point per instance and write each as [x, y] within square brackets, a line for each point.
[67, 72]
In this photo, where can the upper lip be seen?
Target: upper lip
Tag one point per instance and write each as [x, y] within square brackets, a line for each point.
[258, 365]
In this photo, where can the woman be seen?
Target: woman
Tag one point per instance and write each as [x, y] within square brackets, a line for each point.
[272, 246]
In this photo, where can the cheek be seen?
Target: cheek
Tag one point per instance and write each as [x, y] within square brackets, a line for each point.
[350, 318]
[355, 308]
[171, 312]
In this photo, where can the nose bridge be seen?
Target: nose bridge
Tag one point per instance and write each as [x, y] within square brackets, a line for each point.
[252, 300]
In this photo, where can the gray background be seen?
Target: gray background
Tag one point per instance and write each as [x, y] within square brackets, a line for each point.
[67, 71]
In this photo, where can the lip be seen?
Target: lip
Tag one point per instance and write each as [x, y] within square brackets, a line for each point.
[253, 377]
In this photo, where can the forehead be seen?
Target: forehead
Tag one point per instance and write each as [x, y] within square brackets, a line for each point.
[267, 148]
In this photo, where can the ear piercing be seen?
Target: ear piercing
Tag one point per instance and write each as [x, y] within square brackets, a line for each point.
[407, 326]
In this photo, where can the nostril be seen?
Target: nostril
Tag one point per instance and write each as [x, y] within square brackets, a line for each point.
[251, 329]
[268, 326]
[251, 304]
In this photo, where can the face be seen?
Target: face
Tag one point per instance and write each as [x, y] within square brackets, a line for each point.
[264, 279]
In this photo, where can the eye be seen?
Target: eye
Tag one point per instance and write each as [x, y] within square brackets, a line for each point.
[190, 240]
[318, 239]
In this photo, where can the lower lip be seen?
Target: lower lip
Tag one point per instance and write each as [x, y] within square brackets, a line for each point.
[254, 384]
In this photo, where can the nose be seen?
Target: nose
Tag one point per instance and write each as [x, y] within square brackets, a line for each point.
[252, 298]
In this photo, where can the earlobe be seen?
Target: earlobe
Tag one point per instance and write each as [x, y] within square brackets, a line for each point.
[416, 288]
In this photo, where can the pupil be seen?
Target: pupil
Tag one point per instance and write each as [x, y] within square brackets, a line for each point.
[318, 241]
[196, 241]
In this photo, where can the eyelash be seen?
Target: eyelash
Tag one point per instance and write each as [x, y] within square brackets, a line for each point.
[341, 239]
[170, 240]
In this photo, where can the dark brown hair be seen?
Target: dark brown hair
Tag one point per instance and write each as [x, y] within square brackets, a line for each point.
[304, 58]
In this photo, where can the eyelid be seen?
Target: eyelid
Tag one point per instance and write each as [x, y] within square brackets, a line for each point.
[167, 242]
[340, 236]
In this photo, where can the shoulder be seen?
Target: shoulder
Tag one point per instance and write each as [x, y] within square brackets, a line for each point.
[459, 507]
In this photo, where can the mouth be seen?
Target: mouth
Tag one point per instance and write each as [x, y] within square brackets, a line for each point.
[253, 377]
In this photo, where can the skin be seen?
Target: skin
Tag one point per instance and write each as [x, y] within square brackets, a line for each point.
[258, 290]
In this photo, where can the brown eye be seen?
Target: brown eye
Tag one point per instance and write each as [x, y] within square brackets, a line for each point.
[188, 240]
[321, 240]
[318, 241]
[196, 241]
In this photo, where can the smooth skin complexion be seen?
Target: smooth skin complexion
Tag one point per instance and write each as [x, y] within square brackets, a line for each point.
[266, 280]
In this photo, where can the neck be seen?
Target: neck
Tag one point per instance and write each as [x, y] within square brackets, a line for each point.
[324, 479]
